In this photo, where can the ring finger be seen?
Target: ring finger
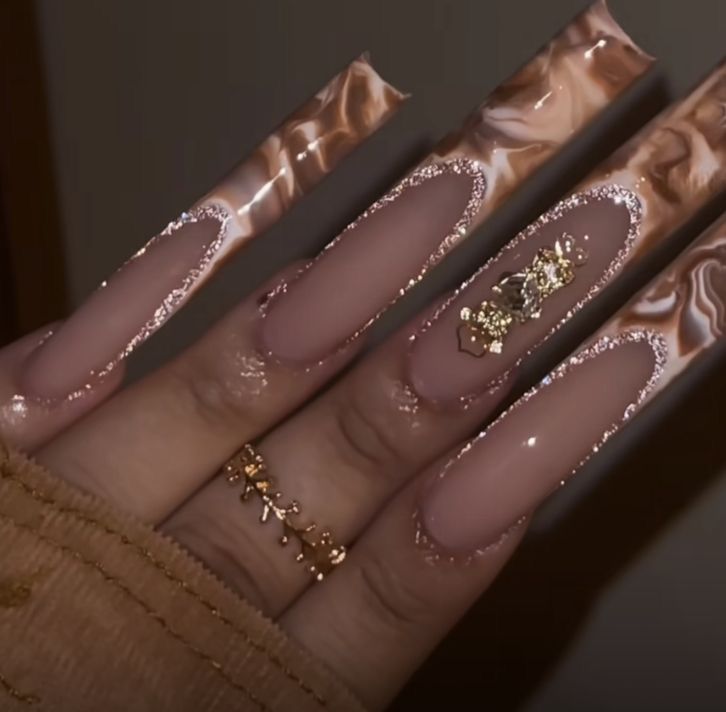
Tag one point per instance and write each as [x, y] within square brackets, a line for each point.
[338, 460]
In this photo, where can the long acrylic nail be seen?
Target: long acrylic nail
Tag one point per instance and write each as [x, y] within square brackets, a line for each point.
[625, 209]
[505, 473]
[140, 297]
[393, 244]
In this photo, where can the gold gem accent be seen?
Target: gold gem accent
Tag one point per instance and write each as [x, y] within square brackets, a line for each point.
[318, 551]
[519, 297]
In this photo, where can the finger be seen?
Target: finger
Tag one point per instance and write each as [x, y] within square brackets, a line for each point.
[376, 619]
[152, 445]
[198, 400]
[26, 422]
[337, 456]
[159, 279]
[408, 232]
[440, 543]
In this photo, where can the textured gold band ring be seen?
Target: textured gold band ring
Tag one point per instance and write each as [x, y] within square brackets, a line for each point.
[317, 550]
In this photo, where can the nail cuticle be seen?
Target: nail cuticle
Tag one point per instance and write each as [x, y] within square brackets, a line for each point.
[436, 554]
[264, 304]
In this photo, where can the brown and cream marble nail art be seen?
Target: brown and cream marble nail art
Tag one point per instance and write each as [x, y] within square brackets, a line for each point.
[543, 105]
[685, 305]
[627, 208]
[305, 148]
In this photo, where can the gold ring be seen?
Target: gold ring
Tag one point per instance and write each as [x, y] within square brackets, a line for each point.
[318, 552]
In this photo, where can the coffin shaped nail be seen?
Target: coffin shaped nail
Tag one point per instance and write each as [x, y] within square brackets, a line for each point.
[504, 141]
[145, 292]
[522, 457]
[536, 283]
[504, 474]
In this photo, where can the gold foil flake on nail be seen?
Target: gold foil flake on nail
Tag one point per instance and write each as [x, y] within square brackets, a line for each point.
[318, 551]
[609, 191]
[519, 297]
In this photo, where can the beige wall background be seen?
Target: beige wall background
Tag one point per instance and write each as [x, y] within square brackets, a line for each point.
[618, 599]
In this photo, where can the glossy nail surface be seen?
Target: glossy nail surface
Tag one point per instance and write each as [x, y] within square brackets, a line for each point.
[305, 148]
[148, 289]
[505, 473]
[512, 134]
[524, 456]
[390, 247]
[625, 209]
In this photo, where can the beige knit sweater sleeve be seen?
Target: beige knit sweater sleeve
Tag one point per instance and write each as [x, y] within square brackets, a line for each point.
[101, 612]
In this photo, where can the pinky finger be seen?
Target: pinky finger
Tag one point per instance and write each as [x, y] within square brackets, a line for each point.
[28, 423]
[378, 617]
[441, 543]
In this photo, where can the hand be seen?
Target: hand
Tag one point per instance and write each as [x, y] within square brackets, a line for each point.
[379, 462]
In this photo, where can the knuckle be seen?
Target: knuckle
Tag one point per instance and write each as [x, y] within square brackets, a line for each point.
[390, 600]
[203, 538]
[206, 393]
[365, 441]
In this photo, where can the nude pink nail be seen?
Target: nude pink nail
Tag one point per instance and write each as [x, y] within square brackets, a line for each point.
[156, 282]
[369, 266]
[505, 473]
